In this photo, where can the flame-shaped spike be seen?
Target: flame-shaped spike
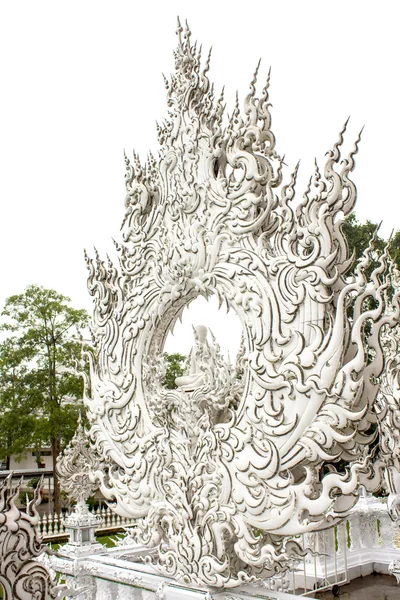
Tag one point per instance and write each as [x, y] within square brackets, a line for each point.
[219, 107]
[317, 172]
[186, 36]
[254, 80]
[308, 189]
[187, 30]
[127, 162]
[207, 65]
[267, 84]
[109, 261]
[236, 111]
[335, 152]
[192, 50]
[250, 108]
[152, 160]
[293, 179]
[179, 30]
[349, 164]
[116, 244]
[166, 82]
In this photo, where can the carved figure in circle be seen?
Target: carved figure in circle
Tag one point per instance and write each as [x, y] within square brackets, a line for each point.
[200, 362]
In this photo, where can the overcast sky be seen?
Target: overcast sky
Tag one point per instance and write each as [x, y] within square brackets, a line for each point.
[81, 80]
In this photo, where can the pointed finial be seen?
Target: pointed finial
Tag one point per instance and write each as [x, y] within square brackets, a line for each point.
[127, 161]
[188, 33]
[255, 74]
[166, 82]
[266, 87]
[236, 110]
[207, 65]
[109, 261]
[179, 30]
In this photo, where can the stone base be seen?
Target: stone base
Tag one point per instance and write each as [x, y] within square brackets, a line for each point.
[117, 575]
[79, 551]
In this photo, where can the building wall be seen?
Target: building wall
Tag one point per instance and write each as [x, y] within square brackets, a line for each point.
[30, 461]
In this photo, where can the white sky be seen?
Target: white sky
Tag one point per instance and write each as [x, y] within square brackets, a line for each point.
[81, 80]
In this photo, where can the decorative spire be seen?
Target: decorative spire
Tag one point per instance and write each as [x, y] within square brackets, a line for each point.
[75, 466]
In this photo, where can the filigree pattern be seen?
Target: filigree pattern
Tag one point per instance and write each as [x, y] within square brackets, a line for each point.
[74, 466]
[211, 215]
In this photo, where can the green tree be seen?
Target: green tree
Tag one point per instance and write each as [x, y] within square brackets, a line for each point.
[359, 235]
[16, 414]
[175, 368]
[40, 389]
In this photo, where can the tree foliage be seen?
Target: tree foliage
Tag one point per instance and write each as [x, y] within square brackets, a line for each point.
[39, 387]
[359, 236]
[175, 368]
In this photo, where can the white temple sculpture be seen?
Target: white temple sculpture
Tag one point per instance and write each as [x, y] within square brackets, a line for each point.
[216, 500]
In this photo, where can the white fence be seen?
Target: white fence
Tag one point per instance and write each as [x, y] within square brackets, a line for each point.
[367, 541]
[51, 525]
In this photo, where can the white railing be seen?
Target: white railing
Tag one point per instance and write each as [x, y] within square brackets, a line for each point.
[52, 525]
[367, 541]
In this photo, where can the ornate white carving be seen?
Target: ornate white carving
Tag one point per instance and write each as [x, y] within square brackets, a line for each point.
[22, 576]
[387, 407]
[74, 466]
[210, 216]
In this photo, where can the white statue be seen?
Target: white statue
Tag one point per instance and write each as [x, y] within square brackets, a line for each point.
[212, 214]
[200, 361]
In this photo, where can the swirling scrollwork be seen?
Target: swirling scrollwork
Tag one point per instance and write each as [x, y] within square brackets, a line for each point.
[387, 408]
[211, 215]
[21, 576]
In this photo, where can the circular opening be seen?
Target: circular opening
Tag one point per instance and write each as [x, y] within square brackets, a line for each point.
[225, 326]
